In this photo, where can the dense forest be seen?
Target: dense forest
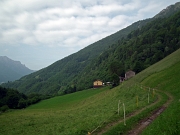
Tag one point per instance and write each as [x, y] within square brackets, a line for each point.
[12, 99]
[143, 44]
[142, 48]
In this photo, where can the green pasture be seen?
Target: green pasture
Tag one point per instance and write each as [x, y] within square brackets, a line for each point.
[75, 114]
[169, 122]
[163, 76]
[67, 101]
[167, 79]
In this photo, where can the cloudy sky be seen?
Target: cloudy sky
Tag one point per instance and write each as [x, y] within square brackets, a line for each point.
[40, 32]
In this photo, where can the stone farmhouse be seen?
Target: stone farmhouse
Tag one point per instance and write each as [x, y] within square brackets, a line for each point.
[129, 74]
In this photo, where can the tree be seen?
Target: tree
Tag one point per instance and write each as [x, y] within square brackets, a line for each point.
[12, 101]
[138, 66]
[22, 103]
[116, 67]
[114, 79]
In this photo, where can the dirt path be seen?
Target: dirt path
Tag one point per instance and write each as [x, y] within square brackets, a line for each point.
[143, 123]
[146, 121]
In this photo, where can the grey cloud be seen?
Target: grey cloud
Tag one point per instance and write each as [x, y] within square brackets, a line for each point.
[61, 23]
[69, 24]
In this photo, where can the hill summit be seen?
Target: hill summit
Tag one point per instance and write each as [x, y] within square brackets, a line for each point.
[11, 70]
[169, 10]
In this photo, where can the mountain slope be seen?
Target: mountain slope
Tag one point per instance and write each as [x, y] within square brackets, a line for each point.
[58, 75]
[11, 70]
[142, 48]
[146, 44]
[169, 10]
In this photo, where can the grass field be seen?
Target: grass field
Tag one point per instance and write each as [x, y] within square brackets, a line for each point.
[164, 76]
[67, 101]
[74, 114]
[169, 122]
[82, 112]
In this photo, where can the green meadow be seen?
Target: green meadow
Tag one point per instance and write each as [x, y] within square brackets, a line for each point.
[167, 80]
[163, 76]
[66, 101]
[82, 112]
[77, 113]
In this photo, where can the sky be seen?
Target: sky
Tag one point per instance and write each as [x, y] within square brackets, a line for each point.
[40, 32]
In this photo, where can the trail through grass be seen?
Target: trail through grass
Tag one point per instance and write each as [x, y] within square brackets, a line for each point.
[169, 122]
[165, 76]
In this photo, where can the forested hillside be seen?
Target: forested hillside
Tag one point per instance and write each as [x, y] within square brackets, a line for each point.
[142, 48]
[59, 75]
[136, 48]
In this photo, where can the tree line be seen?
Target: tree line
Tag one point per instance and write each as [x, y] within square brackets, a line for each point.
[12, 99]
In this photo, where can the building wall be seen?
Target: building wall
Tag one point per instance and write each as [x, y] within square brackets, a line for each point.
[129, 74]
[97, 83]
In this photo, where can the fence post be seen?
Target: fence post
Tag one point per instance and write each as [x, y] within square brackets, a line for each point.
[124, 114]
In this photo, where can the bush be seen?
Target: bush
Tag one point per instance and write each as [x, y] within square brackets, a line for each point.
[22, 103]
[4, 108]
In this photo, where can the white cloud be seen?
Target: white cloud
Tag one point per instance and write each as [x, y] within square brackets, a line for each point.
[71, 41]
[63, 21]
[69, 24]
[120, 20]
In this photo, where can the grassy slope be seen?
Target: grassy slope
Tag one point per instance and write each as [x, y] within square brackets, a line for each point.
[163, 75]
[168, 80]
[66, 101]
[75, 113]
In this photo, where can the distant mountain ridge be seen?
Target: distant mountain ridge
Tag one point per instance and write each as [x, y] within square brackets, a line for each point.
[145, 41]
[11, 70]
[169, 10]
